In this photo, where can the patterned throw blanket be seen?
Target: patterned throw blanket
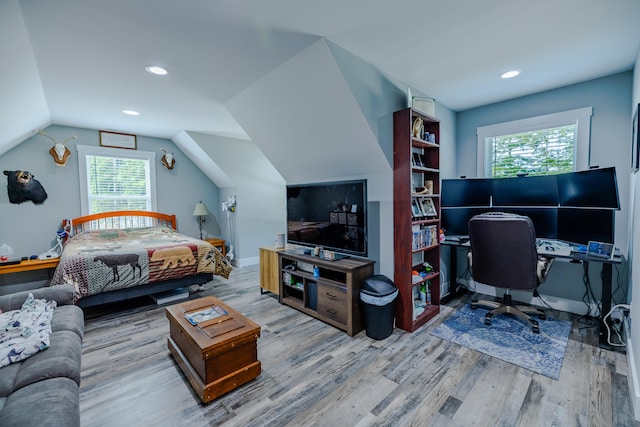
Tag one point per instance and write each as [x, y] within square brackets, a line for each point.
[25, 332]
[106, 260]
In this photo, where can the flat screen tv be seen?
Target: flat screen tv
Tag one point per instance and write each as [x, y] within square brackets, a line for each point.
[332, 215]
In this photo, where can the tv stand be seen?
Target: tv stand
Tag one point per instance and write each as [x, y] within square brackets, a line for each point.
[333, 295]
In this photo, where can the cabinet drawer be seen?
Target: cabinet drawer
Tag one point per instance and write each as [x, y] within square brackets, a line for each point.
[332, 302]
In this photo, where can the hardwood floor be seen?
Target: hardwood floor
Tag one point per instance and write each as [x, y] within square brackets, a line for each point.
[314, 374]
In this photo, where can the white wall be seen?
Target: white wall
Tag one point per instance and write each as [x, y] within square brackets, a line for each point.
[259, 191]
[609, 146]
[633, 343]
[31, 229]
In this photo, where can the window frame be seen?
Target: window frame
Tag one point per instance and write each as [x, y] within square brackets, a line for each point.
[84, 150]
[580, 117]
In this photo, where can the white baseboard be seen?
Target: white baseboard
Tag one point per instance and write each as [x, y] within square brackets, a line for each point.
[245, 261]
[632, 376]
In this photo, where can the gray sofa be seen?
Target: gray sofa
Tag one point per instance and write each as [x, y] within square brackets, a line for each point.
[43, 390]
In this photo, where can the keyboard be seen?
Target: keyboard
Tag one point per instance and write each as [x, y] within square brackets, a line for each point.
[553, 247]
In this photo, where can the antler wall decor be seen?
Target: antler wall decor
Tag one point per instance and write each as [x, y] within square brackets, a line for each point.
[167, 159]
[59, 151]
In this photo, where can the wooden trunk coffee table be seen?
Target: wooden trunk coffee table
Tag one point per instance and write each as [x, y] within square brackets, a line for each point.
[216, 355]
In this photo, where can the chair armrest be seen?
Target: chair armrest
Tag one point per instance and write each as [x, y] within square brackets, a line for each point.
[62, 294]
[544, 265]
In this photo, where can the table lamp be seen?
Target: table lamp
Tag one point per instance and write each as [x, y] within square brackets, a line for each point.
[201, 212]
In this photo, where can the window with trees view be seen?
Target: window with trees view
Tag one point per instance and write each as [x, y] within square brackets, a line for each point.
[113, 179]
[543, 145]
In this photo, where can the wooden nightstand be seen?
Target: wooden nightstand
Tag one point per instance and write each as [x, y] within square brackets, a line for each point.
[218, 243]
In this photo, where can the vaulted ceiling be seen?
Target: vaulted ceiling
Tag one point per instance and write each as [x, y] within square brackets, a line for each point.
[82, 62]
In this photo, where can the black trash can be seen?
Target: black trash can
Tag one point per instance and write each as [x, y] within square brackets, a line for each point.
[378, 295]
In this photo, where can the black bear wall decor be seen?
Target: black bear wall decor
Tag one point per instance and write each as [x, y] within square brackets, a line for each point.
[22, 187]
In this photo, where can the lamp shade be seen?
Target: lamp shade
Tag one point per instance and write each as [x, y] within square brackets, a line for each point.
[200, 210]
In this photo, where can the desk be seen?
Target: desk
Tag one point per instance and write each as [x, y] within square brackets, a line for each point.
[606, 275]
[29, 265]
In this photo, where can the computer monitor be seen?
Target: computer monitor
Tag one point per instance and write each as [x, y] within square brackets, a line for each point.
[455, 220]
[466, 192]
[545, 220]
[583, 225]
[595, 188]
[525, 191]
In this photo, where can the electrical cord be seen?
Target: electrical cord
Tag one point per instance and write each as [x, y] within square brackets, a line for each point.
[604, 320]
[588, 320]
[619, 287]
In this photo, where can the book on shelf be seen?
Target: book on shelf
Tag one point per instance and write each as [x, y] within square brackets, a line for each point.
[424, 237]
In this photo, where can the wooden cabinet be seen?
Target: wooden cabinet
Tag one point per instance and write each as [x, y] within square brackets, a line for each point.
[269, 271]
[331, 294]
[416, 216]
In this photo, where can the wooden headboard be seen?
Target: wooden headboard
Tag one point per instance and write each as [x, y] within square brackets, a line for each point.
[118, 219]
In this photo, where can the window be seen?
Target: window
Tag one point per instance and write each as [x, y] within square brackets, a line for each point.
[543, 145]
[113, 179]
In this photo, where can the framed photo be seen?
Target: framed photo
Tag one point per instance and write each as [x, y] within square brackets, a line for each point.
[428, 207]
[635, 142]
[117, 140]
[417, 160]
[416, 209]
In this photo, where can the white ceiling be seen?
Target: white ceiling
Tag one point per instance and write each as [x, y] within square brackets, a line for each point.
[81, 62]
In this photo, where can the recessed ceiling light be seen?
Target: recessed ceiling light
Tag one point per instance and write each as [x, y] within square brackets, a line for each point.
[509, 74]
[156, 69]
[131, 112]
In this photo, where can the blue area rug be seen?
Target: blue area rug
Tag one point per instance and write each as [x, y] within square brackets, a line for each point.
[510, 339]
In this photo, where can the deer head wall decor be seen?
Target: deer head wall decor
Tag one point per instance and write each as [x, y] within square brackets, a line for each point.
[167, 159]
[59, 150]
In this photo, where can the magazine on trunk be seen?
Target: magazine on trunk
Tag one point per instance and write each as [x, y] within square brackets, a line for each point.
[203, 315]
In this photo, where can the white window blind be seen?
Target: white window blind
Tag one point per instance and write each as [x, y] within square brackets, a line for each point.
[113, 179]
[550, 144]
[540, 152]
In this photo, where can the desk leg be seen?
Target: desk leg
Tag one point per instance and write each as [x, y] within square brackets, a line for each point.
[606, 304]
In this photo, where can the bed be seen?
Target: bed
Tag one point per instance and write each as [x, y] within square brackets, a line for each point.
[120, 255]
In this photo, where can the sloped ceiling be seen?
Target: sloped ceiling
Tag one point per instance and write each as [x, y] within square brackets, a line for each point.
[306, 120]
[80, 63]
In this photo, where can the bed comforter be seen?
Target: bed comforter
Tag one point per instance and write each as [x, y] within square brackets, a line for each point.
[106, 260]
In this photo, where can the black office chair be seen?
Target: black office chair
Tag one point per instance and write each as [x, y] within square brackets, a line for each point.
[503, 254]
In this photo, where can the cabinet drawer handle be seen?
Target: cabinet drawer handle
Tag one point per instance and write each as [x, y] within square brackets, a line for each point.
[332, 312]
[331, 295]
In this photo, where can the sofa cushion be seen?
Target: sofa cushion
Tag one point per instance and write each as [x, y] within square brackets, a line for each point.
[62, 294]
[61, 359]
[54, 402]
[68, 318]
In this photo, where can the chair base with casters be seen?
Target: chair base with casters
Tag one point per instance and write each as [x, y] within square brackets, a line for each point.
[507, 307]
[504, 255]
